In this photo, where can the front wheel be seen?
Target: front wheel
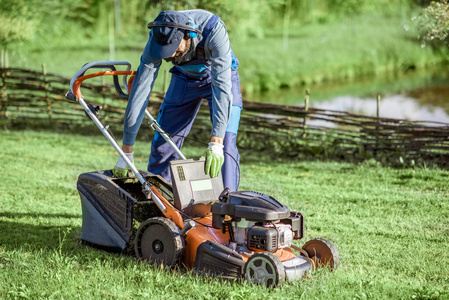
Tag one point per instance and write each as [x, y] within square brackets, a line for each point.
[266, 269]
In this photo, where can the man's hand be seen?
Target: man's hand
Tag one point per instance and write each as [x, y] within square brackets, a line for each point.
[121, 169]
[214, 159]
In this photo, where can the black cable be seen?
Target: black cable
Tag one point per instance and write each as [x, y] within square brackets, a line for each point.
[182, 213]
[110, 132]
[189, 217]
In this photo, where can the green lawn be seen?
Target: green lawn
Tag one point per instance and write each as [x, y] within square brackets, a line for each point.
[390, 227]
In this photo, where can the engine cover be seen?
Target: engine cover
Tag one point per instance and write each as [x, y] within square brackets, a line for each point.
[262, 238]
[270, 237]
[251, 206]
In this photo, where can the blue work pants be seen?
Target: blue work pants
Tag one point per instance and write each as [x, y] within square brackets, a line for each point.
[176, 116]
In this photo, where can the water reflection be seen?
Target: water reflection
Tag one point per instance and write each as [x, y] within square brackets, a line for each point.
[415, 96]
[393, 106]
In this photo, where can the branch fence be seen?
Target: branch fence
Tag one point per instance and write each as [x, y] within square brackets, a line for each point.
[32, 99]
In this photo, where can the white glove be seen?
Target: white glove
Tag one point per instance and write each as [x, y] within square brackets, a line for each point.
[121, 168]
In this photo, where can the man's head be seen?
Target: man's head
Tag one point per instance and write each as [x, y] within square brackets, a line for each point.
[169, 30]
[184, 46]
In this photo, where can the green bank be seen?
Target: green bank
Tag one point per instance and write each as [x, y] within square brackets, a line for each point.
[344, 45]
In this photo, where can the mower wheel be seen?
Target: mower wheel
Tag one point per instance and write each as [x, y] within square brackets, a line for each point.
[266, 269]
[159, 241]
[322, 252]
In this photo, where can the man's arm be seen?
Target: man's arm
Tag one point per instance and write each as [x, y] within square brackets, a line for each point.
[138, 100]
[140, 93]
[219, 50]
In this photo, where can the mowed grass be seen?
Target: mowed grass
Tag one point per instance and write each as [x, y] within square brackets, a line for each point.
[390, 226]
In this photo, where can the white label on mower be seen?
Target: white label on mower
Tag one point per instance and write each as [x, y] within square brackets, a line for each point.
[201, 185]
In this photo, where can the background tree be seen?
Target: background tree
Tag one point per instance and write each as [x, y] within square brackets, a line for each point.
[18, 21]
[434, 21]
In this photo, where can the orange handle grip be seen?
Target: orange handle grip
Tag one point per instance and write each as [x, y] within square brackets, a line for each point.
[79, 81]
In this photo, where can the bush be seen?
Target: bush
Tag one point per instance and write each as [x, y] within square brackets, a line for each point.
[433, 23]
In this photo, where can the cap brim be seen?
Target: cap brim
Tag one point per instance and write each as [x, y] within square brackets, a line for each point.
[163, 51]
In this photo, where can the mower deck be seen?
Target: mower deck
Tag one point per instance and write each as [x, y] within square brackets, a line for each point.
[113, 206]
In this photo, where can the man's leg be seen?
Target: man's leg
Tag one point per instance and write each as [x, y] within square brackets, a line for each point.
[176, 117]
[230, 170]
[231, 167]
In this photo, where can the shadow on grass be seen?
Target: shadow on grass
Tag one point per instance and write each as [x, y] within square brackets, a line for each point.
[24, 235]
[16, 235]
[15, 215]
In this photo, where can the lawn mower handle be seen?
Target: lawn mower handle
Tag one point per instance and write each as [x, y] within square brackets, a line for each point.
[79, 77]
[75, 94]
[145, 185]
[102, 64]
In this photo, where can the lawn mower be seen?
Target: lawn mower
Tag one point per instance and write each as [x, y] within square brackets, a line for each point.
[193, 221]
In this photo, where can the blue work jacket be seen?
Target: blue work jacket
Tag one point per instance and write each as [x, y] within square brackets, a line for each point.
[217, 50]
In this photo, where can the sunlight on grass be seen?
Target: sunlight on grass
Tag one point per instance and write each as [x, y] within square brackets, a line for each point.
[389, 225]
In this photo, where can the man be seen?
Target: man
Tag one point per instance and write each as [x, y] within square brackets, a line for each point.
[197, 43]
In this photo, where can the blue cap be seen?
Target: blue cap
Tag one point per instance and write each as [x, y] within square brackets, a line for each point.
[166, 40]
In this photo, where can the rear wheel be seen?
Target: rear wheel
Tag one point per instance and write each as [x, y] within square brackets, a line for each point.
[322, 252]
[265, 269]
[159, 241]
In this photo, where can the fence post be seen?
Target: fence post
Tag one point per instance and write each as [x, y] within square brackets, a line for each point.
[378, 107]
[306, 109]
[4, 59]
[47, 99]
[104, 90]
[3, 96]
[378, 123]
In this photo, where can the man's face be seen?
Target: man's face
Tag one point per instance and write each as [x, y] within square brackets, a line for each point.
[181, 51]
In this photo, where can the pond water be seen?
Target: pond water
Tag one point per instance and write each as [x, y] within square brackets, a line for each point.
[415, 97]
[392, 106]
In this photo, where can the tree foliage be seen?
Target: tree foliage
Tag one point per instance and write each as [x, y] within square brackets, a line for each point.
[434, 21]
[242, 18]
[18, 20]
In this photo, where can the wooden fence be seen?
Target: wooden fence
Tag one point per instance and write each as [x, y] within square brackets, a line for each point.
[31, 99]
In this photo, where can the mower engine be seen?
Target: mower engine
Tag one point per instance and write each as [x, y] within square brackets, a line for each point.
[256, 221]
[269, 237]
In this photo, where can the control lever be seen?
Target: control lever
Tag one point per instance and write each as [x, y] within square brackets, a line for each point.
[187, 226]
[224, 195]
[95, 109]
[70, 96]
